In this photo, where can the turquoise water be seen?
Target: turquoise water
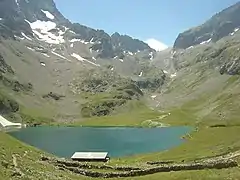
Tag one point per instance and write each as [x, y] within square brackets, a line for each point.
[118, 141]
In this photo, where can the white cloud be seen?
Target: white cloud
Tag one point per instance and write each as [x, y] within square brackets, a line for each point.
[155, 44]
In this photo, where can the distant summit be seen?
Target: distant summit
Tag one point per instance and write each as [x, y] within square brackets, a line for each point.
[222, 24]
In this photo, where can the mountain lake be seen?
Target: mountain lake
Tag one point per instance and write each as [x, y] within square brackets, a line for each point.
[118, 141]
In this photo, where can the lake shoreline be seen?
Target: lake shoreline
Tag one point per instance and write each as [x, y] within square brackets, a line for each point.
[105, 126]
[183, 152]
[159, 125]
[118, 141]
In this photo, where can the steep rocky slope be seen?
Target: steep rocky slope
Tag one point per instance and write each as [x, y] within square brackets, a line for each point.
[204, 85]
[42, 20]
[220, 25]
[45, 58]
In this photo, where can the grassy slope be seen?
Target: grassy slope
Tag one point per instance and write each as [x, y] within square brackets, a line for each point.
[199, 145]
[28, 164]
[218, 106]
[133, 114]
[196, 147]
[203, 143]
[55, 77]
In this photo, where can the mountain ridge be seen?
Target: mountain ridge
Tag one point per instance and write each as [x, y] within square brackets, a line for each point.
[221, 24]
[109, 46]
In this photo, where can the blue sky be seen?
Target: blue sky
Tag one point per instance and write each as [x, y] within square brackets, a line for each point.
[162, 20]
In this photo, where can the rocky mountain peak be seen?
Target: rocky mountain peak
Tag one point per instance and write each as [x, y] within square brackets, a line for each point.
[40, 19]
[218, 26]
[44, 10]
[115, 35]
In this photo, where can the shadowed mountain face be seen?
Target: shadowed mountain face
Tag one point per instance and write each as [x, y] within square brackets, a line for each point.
[220, 25]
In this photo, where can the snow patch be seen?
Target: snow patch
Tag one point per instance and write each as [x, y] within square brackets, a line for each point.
[165, 71]
[17, 2]
[66, 28]
[84, 42]
[1, 19]
[153, 96]
[235, 30]
[92, 63]
[204, 42]
[130, 53]
[45, 55]
[190, 47]
[43, 64]
[141, 73]
[42, 25]
[91, 41]
[22, 38]
[62, 32]
[49, 37]
[75, 40]
[78, 57]
[173, 75]
[30, 48]
[115, 57]
[60, 56]
[112, 69]
[121, 60]
[173, 52]
[72, 32]
[41, 30]
[48, 14]
[94, 58]
[79, 40]
[24, 35]
[71, 45]
[151, 55]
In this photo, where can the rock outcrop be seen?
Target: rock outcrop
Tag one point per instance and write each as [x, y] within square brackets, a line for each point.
[231, 68]
[4, 67]
[7, 105]
[53, 95]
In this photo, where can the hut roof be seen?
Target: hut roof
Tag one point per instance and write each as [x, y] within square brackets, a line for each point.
[89, 155]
